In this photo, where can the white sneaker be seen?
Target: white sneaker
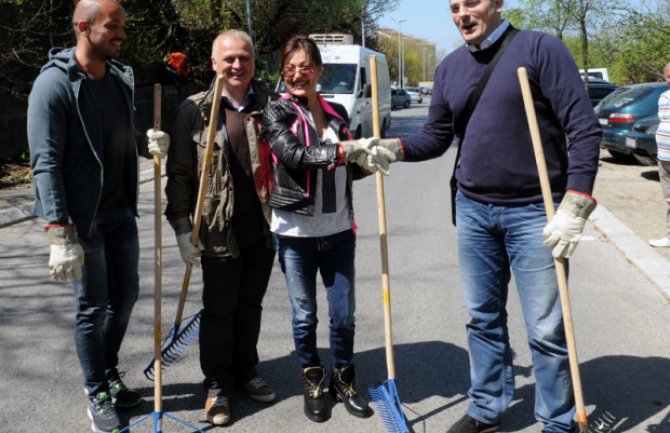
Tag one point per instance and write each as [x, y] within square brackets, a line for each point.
[662, 242]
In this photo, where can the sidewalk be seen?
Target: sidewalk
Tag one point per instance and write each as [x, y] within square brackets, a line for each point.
[16, 206]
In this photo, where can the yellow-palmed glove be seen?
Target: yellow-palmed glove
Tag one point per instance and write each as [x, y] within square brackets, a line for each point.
[564, 231]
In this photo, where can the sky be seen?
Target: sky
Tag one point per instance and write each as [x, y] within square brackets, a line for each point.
[426, 19]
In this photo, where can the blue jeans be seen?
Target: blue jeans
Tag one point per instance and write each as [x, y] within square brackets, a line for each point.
[106, 293]
[492, 240]
[333, 257]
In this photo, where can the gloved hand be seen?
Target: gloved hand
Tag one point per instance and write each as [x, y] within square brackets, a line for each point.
[384, 152]
[379, 160]
[353, 149]
[159, 143]
[564, 231]
[67, 256]
[189, 252]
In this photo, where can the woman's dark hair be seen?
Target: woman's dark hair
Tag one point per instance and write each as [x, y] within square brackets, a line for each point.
[301, 42]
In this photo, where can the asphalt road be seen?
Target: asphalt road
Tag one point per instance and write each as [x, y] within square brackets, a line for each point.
[621, 321]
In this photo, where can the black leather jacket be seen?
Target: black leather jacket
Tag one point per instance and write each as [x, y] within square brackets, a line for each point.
[297, 163]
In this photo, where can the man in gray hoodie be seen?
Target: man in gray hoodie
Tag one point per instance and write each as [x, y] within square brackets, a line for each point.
[84, 156]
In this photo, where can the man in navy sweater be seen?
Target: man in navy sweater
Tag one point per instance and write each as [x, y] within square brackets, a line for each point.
[500, 215]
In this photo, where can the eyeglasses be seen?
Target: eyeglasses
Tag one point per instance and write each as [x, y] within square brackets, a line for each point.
[290, 70]
[466, 6]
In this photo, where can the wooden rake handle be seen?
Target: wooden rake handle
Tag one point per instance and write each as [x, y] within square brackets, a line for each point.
[202, 189]
[158, 233]
[558, 262]
[383, 238]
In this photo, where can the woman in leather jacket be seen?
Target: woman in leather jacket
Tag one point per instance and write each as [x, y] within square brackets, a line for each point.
[312, 218]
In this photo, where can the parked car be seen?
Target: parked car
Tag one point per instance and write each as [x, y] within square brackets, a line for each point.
[642, 140]
[415, 94]
[618, 111]
[400, 98]
[598, 89]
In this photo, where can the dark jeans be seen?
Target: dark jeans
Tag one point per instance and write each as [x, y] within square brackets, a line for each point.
[233, 302]
[106, 293]
[332, 256]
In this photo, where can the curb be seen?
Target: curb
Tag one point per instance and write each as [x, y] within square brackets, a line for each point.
[635, 250]
[18, 213]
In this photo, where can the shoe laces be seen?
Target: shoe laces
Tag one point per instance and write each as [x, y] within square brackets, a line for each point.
[315, 389]
[220, 401]
[257, 383]
[116, 384]
[103, 403]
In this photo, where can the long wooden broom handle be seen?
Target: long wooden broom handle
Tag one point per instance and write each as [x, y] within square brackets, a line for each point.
[202, 190]
[383, 238]
[558, 262]
[158, 233]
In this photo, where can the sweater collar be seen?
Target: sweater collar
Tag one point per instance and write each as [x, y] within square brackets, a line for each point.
[491, 39]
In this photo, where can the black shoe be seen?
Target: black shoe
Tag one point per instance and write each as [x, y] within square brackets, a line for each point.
[343, 388]
[122, 397]
[317, 407]
[102, 413]
[467, 424]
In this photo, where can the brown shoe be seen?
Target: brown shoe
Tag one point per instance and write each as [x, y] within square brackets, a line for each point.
[217, 409]
[258, 390]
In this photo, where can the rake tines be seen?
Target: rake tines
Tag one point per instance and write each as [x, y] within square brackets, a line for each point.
[175, 345]
[605, 423]
[389, 407]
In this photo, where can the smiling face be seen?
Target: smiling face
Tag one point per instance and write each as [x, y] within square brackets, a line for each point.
[104, 29]
[300, 75]
[476, 19]
[233, 58]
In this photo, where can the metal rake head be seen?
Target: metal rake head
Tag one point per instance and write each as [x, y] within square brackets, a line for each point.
[389, 407]
[175, 345]
[605, 423]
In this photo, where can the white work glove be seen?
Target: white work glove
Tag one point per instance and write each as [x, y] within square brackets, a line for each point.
[564, 231]
[384, 152]
[353, 149]
[189, 252]
[159, 143]
[67, 256]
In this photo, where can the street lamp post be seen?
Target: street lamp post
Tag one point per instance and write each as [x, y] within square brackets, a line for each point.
[399, 51]
[251, 33]
[430, 58]
[424, 63]
[402, 73]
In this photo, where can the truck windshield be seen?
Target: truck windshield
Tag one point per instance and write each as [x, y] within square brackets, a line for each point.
[338, 78]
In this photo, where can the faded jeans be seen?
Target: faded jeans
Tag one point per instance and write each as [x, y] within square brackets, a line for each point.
[106, 293]
[333, 257]
[492, 240]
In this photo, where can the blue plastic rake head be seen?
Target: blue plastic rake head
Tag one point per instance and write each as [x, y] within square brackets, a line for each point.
[605, 423]
[175, 344]
[386, 399]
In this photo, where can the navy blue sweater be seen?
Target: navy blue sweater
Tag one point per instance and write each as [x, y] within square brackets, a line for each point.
[497, 163]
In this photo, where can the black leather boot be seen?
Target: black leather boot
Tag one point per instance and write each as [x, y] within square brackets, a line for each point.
[317, 407]
[343, 388]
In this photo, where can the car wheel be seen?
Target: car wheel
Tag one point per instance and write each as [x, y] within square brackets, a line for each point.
[645, 160]
[406, 104]
[620, 156]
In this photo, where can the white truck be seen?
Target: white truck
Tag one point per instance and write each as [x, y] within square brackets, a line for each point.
[599, 73]
[346, 80]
